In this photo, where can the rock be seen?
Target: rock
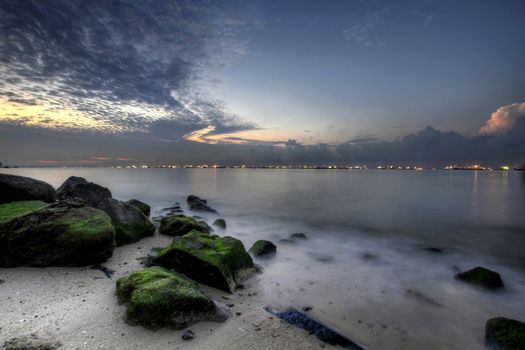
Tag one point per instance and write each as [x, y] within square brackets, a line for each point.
[12, 210]
[75, 186]
[66, 233]
[143, 207]
[156, 297]
[179, 225]
[312, 326]
[107, 271]
[482, 277]
[220, 223]
[298, 236]
[263, 248]
[21, 188]
[434, 250]
[321, 257]
[286, 241]
[505, 334]
[220, 262]
[130, 224]
[31, 342]
[188, 334]
[201, 204]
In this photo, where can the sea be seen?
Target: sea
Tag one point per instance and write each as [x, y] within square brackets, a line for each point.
[382, 247]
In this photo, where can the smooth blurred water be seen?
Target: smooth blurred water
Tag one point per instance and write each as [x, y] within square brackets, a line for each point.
[364, 268]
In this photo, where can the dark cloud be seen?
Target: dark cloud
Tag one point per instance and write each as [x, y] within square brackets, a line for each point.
[127, 63]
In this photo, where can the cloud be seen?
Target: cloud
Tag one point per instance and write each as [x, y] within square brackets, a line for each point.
[116, 66]
[503, 119]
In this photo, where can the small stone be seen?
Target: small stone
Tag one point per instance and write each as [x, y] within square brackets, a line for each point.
[307, 308]
[238, 313]
[188, 334]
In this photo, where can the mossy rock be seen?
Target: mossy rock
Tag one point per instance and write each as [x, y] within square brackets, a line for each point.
[482, 277]
[156, 297]
[199, 204]
[263, 248]
[62, 234]
[12, 210]
[505, 334]
[220, 262]
[78, 187]
[179, 225]
[131, 225]
[220, 223]
[143, 207]
[21, 188]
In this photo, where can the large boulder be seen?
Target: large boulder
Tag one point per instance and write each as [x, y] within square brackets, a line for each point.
[131, 225]
[199, 204]
[66, 233]
[78, 187]
[482, 277]
[263, 248]
[220, 262]
[505, 334]
[220, 223]
[179, 225]
[156, 297]
[21, 188]
[143, 207]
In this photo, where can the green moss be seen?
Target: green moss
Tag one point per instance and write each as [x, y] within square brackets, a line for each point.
[209, 259]
[179, 225]
[12, 210]
[504, 333]
[220, 223]
[158, 297]
[482, 277]
[263, 247]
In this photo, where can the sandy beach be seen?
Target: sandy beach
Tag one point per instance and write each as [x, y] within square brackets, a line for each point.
[78, 307]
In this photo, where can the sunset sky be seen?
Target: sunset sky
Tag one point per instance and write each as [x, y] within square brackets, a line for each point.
[127, 82]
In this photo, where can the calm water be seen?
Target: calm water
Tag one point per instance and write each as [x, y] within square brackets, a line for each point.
[364, 268]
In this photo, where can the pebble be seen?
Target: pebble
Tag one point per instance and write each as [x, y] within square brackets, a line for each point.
[188, 334]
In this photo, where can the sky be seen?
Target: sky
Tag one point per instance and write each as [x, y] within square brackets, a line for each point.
[261, 82]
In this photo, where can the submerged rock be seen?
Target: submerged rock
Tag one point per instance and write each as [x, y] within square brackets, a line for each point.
[316, 328]
[66, 233]
[179, 225]
[434, 250]
[505, 334]
[298, 235]
[263, 248]
[156, 297]
[220, 223]
[220, 262]
[143, 207]
[79, 187]
[482, 277]
[196, 203]
[21, 188]
[31, 342]
[131, 225]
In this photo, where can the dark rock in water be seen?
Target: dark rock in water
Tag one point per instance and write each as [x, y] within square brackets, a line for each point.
[143, 207]
[108, 272]
[434, 250]
[179, 225]
[316, 328]
[196, 203]
[79, 187]
[188, 334]
[156, 297]
[31, 342]
[369, 257]
[293, 238]
[131, 225]
[220, 262]
[321, 257]
[263, 248]
[482, 277]
[286, 241]
[298, 235]
[66, 233]
[307, 308]
[21, 188]
[505, 334]
[220, 223]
